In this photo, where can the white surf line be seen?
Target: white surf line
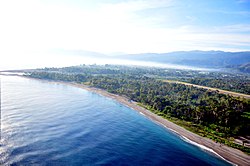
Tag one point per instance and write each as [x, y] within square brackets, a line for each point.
[205, 148]
[161, 124]
[191, 142]
[172, 130]
[142, 113]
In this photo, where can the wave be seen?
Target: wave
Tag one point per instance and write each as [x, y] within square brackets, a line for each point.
[205, 148]
[196, 144]
[142, 113]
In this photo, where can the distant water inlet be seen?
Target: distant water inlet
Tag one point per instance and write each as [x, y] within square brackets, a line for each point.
[52, 124]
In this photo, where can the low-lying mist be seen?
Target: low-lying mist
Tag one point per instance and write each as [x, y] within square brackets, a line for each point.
[55, 60]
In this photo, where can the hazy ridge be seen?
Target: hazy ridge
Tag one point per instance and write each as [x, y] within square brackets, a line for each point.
[214, 59]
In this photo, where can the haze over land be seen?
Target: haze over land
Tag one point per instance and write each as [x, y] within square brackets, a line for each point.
[56, 33]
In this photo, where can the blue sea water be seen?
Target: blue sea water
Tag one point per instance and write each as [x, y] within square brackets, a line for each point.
[45, 123]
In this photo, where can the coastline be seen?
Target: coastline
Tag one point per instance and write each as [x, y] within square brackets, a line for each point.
[231, 155]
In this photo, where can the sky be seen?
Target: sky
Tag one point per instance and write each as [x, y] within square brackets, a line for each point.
[30, 30]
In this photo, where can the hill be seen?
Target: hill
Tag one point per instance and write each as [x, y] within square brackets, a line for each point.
[211, 59]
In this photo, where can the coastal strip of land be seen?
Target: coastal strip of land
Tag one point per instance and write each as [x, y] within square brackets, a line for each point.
[235, 94]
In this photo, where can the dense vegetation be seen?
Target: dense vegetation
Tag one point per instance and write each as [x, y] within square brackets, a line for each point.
[207, 113]
[235, 82]
[199, 106]
[244, 68]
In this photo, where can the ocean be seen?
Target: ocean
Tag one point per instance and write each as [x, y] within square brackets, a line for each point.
[46, 123]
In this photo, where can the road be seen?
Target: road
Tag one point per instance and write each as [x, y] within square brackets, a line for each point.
[235, 94]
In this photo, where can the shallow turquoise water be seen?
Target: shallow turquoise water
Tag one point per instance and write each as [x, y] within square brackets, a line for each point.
[47, 123]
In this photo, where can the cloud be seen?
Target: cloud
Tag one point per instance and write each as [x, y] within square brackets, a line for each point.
[227, 12]
[235, 28]
[242, 1]
[29, 28]
[31, 25]
[132, 6]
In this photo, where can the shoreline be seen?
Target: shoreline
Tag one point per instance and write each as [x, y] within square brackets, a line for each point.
[231, 155]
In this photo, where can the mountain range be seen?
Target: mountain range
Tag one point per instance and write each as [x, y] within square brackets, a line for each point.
[209, 59]
[239, 61]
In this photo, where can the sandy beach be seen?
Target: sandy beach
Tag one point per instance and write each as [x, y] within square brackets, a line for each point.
[233, 156]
